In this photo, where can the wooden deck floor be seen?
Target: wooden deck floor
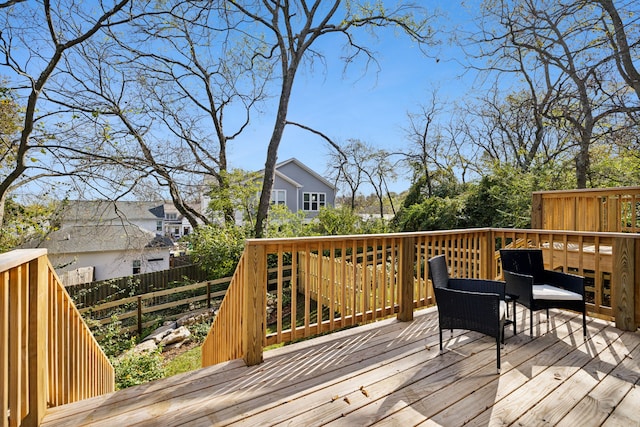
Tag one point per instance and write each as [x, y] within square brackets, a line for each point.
[391, 373]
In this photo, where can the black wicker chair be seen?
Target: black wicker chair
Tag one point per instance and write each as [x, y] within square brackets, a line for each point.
[538, 288]
[471, 304]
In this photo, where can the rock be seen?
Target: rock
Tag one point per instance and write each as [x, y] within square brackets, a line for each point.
[148, 345]
[177, 335]
[161, 332]
[197, 316]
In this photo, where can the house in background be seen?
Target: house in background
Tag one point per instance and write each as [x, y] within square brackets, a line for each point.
[159, 217]
[101, 239]
[84, 253]
[301, 189]
[296, 186]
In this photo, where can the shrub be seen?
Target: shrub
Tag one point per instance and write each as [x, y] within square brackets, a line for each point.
[138, 368]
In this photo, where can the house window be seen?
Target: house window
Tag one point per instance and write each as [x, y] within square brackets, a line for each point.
[278, 197]
[158, 225]
[137, 265]
[313, 201]
[171, 216]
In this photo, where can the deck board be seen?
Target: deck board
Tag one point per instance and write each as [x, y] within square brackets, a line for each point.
[392, 373]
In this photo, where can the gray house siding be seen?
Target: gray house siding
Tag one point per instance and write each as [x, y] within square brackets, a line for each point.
[299, 180]
[291, 190]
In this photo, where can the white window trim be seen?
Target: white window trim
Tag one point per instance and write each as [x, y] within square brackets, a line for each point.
[275, 199]
[319, 204]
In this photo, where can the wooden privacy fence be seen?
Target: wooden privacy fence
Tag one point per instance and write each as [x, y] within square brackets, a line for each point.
[48, 356]
[359, 279]
[602, 210]
[88, 294]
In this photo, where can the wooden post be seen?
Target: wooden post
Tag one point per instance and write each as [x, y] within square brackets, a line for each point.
[406, 274]
[254, 312]
[38, 322]
[536, 211]
[487, 252]
[624, 278]
[139, 315]
[209, 295]
[637, 283]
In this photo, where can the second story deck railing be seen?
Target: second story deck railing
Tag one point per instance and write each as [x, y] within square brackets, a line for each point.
[48, 356]
[602, 209]
[341, 281]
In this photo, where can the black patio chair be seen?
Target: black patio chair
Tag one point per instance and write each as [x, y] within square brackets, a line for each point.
[471, 304]
[537, 288]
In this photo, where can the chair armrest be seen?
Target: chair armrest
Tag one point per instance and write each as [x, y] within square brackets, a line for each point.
[479, 306]
[570, 282]
[479, 286]
[519, 284]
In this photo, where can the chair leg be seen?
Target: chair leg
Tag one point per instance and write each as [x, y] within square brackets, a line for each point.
[515, 319]
[498, 353]
[531, 323]
[440, 341]
[584, 322]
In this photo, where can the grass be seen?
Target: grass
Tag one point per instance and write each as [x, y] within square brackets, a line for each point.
[190, 360]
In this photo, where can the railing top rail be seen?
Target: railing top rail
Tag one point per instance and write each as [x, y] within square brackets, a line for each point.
[16, 257]
[589, 191]
[324, 239]
[311, 239]
[569, 232]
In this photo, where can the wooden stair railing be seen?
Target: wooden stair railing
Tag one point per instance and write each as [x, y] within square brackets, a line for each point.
[48, 356]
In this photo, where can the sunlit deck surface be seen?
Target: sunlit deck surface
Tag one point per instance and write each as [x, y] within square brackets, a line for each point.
[391, 373]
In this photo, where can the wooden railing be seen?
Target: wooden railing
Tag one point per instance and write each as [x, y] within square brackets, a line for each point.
[48, 356]
[131, 310]
[224, 340]
[342, 281]
[603, 210]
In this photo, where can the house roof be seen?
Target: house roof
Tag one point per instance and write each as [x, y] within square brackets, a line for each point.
[101, 238]
[305, 168]
[287, 179]
[97, 211]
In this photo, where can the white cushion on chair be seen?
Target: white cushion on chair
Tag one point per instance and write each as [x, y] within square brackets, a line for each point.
[502, 309]
[554, 293]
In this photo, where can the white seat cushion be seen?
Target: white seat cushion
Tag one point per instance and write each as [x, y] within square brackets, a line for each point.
[503, 309]
[554, 293]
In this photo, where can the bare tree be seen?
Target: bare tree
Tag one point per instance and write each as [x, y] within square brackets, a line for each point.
[347, 167]
[623, 51]
[559, 45]
[166, 100]
[35, 38]
[291, 31]
[379, 171]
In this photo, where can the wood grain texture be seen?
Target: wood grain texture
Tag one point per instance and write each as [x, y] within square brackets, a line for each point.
[391, 373]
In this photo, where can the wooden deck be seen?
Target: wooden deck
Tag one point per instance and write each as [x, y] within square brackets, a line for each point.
[391, 373]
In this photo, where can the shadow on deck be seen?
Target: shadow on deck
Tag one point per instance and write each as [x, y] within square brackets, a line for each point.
[391, 373]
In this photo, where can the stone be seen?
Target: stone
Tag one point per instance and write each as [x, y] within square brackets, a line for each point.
[161, 332]
[148, 345]
[177, 335]
[196, 316]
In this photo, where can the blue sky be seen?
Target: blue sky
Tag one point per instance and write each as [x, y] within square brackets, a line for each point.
[369, 106]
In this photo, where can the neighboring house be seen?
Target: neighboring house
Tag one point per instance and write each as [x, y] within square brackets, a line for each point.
[301, 189]
[175, 224]
[295, 185]
[157, 216]
[99, 240]
[110, 250]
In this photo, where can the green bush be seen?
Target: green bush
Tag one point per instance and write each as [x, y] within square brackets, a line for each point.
[217, 248]
[138, 368]
[111, 337]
